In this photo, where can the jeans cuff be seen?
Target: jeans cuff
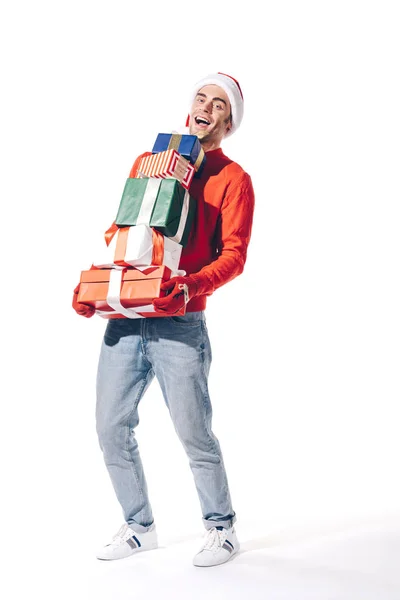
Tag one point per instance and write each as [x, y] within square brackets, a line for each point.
[226, 523]
[141, 528]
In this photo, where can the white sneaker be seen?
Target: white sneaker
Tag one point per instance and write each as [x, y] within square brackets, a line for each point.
[127, 541]
[220, 545]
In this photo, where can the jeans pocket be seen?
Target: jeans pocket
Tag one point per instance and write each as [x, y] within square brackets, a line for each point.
[191, 319]
[117, 330]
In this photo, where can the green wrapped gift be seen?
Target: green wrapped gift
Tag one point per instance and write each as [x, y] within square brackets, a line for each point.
[160, 203]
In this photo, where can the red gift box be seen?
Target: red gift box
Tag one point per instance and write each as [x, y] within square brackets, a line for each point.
[119, 293]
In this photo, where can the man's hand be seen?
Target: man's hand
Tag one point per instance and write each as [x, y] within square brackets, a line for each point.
[179, 291]
[82, 309]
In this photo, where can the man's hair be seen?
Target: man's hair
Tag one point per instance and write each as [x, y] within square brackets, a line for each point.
[228, 119]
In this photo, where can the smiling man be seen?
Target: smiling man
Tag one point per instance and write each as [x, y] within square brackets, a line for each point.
[176, 349]
[211, 116]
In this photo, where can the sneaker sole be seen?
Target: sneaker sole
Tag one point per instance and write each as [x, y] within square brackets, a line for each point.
[235, 553]
[135, 551]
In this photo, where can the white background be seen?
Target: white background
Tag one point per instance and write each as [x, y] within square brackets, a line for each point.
[305, 378]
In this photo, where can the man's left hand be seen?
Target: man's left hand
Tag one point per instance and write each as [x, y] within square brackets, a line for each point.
[179, 291]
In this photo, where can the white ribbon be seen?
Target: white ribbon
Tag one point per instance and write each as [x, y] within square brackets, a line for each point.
[182, 222]
[149, 200]
[114, 299]
[145, 308]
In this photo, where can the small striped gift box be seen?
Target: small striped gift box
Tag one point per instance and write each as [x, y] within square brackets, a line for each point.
[167, 165]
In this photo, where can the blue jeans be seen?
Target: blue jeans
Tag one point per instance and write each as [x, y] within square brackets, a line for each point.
[177, 351]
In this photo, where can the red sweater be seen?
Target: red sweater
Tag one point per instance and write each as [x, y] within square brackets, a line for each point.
[217, 246]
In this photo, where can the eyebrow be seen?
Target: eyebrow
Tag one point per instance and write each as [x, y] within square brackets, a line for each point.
[216, 97]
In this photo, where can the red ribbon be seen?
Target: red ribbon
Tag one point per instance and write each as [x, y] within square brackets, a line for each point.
[109, 234]
[158, 243]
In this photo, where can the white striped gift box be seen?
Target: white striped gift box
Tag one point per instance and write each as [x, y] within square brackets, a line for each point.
[168, 164]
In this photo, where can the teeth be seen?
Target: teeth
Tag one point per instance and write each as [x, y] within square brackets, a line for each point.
[201, 120]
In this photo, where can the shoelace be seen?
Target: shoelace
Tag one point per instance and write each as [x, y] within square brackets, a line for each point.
[120, 535]
[215, 539]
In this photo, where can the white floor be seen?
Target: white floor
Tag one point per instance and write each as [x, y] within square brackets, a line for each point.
[342, 561]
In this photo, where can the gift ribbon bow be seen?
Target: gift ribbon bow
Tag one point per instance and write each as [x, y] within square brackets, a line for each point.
[123, 233]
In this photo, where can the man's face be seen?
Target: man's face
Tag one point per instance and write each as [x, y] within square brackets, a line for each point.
[210, 115]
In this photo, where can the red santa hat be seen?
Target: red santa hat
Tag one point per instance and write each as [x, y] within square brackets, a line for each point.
[232, 89]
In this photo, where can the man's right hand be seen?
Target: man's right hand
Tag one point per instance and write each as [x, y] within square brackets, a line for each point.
[82, 309]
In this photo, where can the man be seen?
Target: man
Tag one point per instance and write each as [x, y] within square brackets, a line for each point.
[176, 349]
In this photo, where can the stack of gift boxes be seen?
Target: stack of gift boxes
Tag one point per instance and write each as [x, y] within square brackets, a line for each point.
[143, 246]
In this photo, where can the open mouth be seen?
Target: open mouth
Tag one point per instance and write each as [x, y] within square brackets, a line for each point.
[202, 122]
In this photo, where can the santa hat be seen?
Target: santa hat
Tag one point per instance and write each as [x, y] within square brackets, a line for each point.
[232, 89]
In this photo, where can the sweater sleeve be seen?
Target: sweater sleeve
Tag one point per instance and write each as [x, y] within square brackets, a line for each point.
[234, 231]
[133, 171]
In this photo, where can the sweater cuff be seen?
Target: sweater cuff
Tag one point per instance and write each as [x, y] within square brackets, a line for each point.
[201, 284]
[192, 285]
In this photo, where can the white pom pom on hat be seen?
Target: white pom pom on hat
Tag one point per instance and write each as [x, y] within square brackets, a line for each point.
[232, 89]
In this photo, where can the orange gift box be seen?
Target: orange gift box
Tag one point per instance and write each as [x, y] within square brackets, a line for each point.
[119, 293]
